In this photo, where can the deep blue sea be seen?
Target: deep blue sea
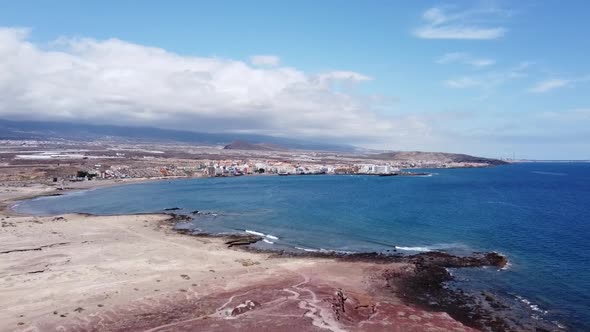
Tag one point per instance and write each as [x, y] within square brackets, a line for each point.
[538, 214]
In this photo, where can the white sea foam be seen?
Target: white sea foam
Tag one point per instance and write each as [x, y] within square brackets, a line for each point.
[507, 266]
[449, 271]
[326, 251]
[421, 249]
[525, 301]
[435, 247]
[254, 233]
[268, 238]
[534, 307]
[307, 249]
[345, 252]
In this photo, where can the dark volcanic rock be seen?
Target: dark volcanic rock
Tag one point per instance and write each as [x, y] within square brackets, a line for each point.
[424, 283]
[244, 307]
[175, 218]
[428, 287]
[440, 259]
[448, 260]
[242, 239]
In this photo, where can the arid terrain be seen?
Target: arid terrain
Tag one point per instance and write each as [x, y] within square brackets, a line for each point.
[133, 273]
[136, 273]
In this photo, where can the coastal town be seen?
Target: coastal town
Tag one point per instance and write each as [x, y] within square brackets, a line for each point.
[66, 257]
[66, 253]
[58, 162]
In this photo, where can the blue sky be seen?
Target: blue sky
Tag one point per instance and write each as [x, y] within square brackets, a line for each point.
[488, 78]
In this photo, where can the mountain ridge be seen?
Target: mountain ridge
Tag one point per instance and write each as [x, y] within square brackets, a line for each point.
[436, 156]
[244, 145]
[11, 129]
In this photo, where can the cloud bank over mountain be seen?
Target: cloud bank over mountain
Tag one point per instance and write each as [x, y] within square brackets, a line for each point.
[122, 83]
[117, 82]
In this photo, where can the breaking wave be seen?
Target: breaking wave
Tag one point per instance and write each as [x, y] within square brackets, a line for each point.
[421, 249]
[344, 252]
[268, 238]
[307, 249]
[532, 306]
[436, 247]
[254, 233]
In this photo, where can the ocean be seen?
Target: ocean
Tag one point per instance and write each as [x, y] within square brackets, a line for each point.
[538, 214]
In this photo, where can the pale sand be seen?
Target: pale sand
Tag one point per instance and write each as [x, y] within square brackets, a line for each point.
[133, 273]
[10, 194]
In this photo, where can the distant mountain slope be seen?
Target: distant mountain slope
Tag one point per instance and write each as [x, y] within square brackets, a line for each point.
[243, 145]
[435, 156]
[87, 132]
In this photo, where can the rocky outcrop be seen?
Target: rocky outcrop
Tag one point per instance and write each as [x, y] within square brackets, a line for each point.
[422, 284]
[242, 240]
[427, 286]
[244, 307]
[447, 260]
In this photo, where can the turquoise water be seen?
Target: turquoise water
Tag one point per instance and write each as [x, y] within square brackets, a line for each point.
[537, 214]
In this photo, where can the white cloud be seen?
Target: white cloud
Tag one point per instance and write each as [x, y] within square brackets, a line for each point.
[117, 82]
[265, 60]
[440, 24]
[488, 81]
[343, 76]
[548, 85]
[465, 58]
[555, 83]
[462, 82]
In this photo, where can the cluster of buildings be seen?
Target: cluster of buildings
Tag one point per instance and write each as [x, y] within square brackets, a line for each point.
[263, 167]
[58, 161]
[227, 168]
[126, 171]
[378, 169]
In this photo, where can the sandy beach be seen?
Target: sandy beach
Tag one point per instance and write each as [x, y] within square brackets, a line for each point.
[112, 273]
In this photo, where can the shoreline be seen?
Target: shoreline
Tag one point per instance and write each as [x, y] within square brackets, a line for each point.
[404, 283]
[7, 204]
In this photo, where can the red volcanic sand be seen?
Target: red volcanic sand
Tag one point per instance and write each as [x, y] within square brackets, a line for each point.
[302, 300]
[134, 273]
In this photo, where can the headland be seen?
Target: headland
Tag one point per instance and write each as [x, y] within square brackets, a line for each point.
[136, 272]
